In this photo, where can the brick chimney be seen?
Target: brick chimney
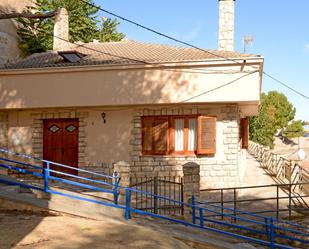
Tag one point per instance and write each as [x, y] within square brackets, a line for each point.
[226, 25]
[61, 30]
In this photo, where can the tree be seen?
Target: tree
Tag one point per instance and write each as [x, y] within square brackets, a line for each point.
[275, 112]
[284, 111]
[36, 34]
[295, 129]
[109, 31]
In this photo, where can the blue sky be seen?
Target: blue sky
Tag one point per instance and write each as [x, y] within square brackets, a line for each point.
[280, 29]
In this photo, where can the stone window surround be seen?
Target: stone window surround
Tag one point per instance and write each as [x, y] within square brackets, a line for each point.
[37, 131]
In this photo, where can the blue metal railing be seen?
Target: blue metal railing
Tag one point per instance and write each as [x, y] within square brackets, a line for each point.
[47, 174]
[270, 230]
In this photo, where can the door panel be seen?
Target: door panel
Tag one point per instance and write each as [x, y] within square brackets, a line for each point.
[60, 143]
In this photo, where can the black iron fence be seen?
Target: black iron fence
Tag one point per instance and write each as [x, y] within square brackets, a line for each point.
[276, 200]
[170, 187]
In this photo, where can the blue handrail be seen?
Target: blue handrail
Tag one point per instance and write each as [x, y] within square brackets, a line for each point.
[237, 211]
[269, 225]
[46, 161]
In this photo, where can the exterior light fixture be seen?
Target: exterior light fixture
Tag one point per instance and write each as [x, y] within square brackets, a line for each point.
[103, 116]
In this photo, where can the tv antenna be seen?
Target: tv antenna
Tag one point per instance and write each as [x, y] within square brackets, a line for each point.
[247, 40]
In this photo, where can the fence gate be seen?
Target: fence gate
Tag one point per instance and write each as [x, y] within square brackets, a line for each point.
[169, 187]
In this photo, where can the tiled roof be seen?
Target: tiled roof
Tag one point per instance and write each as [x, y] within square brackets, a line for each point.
[123, 52]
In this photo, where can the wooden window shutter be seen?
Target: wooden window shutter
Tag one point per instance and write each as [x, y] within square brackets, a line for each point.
[244, 124]
[147, 124]
[160, 135]
[206, 143]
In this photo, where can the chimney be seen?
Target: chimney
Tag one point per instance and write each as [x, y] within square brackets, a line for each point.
[226, 25]
[61, 30]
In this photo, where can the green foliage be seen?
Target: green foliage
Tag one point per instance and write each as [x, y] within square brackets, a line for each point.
[109, 31]
[36, 35]
[295, 129]
[275, 112]
[281, 110]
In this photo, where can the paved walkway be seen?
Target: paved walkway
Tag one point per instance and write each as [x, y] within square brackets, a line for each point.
[256, 176]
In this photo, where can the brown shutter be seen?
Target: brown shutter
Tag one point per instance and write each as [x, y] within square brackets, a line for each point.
[244, 124]
[147, 124]
[206, 135]
[160, 135]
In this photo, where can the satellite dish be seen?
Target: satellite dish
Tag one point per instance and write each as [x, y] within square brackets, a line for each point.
[301, 154]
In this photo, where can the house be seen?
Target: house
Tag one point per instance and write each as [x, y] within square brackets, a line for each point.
[8, 35]
[153, 106]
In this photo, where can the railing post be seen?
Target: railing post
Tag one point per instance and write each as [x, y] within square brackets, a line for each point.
[266, 227]
[193, 209]
[277, 213]
[235, 201]
[201, 217]
[221, 204]
[46, 173]
[155, 192]
[272, 233]
[290, 200]
[127, 210]
[116, 186]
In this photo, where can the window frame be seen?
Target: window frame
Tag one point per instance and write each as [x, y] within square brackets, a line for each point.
[171, 135]
[185, 133]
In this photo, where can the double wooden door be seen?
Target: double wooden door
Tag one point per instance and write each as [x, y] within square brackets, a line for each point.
[60, 144]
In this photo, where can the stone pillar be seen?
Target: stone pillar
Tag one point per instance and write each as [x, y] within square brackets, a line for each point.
[123, 170]
[61, 30]
[191, 185]
[226, 25]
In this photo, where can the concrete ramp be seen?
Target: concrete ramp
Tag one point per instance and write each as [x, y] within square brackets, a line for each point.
[15, 198]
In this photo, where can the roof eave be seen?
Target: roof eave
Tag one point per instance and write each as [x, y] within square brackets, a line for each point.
[215, 62]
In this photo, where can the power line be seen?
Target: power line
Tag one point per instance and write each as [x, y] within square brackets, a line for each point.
[164, 67]
[186, 43]
[284, 84]
[169, 69]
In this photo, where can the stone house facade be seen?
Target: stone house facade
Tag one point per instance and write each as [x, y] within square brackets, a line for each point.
[154, 107]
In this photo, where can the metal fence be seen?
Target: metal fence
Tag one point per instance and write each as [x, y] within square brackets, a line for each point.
[271, 233]
[277, 199]
[170, 187]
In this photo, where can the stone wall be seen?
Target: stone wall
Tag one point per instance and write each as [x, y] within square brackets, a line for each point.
[8, 37]
[37, 132]
[220, 170]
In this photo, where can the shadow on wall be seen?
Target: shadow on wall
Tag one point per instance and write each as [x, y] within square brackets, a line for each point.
[111, 140]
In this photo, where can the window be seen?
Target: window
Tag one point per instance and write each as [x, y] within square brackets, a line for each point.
[71, 56]
[179, 135]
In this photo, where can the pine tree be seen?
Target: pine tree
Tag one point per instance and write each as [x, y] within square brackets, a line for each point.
[36, 35]
[109, 31]
[275, 113]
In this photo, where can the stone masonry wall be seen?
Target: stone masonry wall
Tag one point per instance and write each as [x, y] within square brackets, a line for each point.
[221, 170]
[37, 132]
[226, 25]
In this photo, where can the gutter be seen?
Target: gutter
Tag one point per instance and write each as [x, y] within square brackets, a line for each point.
[241, 62]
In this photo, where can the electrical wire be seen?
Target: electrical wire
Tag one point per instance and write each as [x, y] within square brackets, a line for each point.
[186, 43]
[164, 68]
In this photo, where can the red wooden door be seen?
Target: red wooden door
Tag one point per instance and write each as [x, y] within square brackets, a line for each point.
[60, 143]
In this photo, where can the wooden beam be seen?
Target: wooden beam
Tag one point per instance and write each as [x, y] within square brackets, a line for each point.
[27, 15]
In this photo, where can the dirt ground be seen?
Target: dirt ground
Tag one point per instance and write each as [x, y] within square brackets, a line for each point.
[32, 230]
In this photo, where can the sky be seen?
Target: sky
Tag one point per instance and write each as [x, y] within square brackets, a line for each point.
[280, 30]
